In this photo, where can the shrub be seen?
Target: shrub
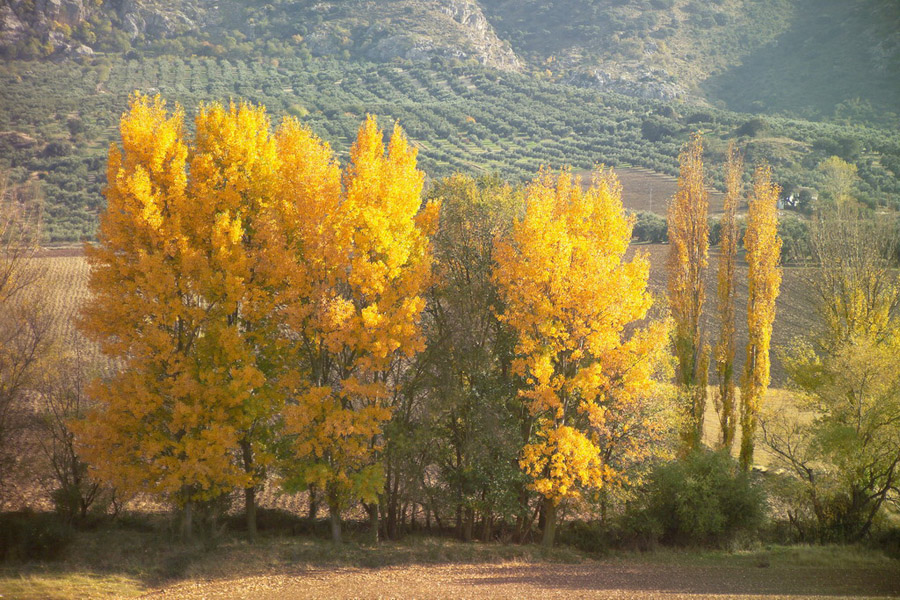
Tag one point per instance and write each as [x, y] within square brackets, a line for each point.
[33, 536]
[587, 536]
[752, 128]
[888, 541]
[650, 227]
[704, 499]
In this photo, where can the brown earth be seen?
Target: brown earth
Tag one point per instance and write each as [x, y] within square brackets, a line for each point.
[648, 190]
[617, 579]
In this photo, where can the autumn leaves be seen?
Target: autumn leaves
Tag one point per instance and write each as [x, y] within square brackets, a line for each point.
[265, 305]
[257, 298]
[569, 296]
[687, 262]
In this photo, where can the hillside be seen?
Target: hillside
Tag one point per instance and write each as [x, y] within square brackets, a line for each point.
[479, 86]
[812, 58]
[63, 115]
[799, 56]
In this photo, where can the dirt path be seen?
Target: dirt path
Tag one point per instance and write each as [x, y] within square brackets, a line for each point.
[590, 580]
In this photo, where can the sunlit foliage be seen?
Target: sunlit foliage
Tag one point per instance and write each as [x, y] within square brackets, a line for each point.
[763, 283]
[687, 262]
[572, 300]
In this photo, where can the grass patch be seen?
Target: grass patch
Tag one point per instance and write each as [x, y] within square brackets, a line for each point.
[68, 586]
[126, 560]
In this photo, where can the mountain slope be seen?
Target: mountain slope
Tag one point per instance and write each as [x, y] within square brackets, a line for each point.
[812, 58]
[802, 56]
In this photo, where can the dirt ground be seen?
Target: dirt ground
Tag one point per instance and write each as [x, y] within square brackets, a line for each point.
[620, 580]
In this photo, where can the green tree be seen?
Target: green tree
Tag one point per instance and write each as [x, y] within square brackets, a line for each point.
[478, 424]
[846, 455]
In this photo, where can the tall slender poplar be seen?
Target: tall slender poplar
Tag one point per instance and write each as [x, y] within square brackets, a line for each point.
[687, 262]
[763, 282]
[725, 397]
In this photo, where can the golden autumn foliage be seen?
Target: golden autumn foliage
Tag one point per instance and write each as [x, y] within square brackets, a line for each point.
[240, 273]
[763, 282]
[183, 292]
[725, 398]
[687, 262]
[363, 261]
[573, 300]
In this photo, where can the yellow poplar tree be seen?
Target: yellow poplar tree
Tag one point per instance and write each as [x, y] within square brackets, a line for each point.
[570, 296]
[232, 223]
[763, 282]
[182, 293]
[363, 261]
[725, 398]
[687, 261]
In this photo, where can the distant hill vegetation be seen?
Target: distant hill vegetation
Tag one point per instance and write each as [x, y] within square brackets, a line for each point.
[802, 56]
[810, 58]
[480, 86]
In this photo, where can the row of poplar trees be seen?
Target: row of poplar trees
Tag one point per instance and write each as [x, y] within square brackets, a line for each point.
[273, 316]
[687, 264]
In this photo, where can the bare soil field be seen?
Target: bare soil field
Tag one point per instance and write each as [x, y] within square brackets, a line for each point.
[795, 313]
[648, 190]
[619, 580]
[132, 564]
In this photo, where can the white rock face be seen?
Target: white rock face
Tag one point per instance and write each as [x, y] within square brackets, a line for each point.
[491, 50]
[68, 12]
[11, 27]
[160, 19]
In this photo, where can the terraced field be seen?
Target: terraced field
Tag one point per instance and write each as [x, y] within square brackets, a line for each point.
[463, 118]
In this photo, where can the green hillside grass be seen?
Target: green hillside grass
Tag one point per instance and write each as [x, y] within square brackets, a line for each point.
[806, 58]
[837, 59]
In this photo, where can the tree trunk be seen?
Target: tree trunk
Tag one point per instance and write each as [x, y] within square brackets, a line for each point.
[549, 523]
[374, 523]
[335, 518]
[403, 529]
[313, 513]
[250, 491]
[187, 524]
[522, 522]
[470, 524]
[250, 508]
[486, 529]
